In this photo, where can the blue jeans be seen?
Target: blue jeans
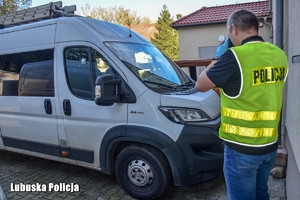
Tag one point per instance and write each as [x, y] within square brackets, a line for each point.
[247, 176]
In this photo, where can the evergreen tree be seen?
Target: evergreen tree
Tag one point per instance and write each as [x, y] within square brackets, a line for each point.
[7, 6]
[166, 40]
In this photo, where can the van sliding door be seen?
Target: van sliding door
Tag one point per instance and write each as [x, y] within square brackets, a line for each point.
[28, 117]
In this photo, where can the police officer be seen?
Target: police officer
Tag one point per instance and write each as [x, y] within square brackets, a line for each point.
[251, 75]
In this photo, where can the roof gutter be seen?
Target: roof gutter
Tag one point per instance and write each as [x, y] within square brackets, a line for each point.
[196, 24]
[279, 23]
[271, 29]
[279, 43]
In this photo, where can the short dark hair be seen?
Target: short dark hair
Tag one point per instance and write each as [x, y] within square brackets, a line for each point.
[243, 20]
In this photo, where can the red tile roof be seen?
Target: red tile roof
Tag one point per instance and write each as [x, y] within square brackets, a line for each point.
[220, 14]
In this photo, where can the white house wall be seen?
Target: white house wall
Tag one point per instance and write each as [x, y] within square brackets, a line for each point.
[292, 115]
[191, 38]
[293, 106]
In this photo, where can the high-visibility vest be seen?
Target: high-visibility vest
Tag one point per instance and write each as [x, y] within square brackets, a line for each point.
[251, 118]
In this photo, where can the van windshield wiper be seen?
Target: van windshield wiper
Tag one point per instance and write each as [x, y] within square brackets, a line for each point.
[161, 84]
[187, 85]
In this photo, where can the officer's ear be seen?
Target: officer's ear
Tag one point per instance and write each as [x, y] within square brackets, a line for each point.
[234, 29]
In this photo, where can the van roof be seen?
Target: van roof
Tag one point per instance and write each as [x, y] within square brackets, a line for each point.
[84, 26]
[51, 23]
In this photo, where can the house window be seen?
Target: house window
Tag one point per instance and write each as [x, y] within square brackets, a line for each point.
[205, 53]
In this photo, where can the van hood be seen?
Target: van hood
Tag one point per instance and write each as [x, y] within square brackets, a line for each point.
[209, 102]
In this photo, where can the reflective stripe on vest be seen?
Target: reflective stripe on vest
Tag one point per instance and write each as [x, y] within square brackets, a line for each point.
[249, 132]
[250, 116]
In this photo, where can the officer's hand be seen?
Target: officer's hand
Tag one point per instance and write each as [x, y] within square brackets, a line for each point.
[223, 47]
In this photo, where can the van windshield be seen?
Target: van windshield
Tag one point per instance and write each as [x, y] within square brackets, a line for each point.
[149, 64]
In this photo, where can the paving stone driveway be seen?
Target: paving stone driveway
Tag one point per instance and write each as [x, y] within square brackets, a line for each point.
[17, 168]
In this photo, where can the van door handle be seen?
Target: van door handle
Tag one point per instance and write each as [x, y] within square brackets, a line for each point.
[67, 107]
[48, 106]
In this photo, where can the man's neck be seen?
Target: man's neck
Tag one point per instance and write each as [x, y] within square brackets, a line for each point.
[252, 38]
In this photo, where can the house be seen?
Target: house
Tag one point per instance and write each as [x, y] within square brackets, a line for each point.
[288, 32]
[202, 31]
[199, 36]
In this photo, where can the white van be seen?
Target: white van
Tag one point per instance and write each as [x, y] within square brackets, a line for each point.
[96, 94]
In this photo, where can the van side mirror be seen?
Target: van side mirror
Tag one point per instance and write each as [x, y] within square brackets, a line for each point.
[106, 90]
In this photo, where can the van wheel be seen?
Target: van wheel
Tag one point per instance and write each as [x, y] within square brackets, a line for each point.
[142, 171]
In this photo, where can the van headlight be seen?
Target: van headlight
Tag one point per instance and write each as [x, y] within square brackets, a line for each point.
[183, 115]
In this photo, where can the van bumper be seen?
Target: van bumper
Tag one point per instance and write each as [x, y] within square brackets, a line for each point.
[197, 155]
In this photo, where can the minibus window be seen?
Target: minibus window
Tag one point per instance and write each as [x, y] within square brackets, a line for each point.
[37, 79]
[11, 66]
[83, 65]
[78, 71]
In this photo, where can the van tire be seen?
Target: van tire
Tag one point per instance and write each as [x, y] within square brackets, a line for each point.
[142, 171]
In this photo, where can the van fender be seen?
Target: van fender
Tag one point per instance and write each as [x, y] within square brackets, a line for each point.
[120, 136]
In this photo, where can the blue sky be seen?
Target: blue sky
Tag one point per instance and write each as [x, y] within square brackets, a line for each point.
[150, 8]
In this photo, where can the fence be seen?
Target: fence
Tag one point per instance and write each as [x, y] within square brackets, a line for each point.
[192, 64]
